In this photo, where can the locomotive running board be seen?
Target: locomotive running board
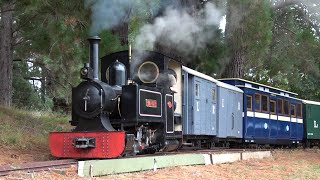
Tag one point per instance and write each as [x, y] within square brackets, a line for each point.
[106, 144]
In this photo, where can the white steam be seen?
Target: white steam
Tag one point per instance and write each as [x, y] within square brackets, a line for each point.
[180, 30]
[106, 14]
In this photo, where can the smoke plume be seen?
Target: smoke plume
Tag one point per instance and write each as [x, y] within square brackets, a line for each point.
[178, 29]
[107, 13]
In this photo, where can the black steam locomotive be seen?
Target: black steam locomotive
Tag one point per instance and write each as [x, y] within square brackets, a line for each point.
[129, 110]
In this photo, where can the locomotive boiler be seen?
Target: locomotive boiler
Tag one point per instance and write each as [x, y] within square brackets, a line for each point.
[132, 109]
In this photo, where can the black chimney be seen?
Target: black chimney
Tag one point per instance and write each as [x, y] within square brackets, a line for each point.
[94, 55]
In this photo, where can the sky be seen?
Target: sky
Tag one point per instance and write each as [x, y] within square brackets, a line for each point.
[222, 24]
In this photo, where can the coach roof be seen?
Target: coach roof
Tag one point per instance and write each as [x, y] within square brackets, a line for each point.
[258, 84]
[311, 102]
[209, 78]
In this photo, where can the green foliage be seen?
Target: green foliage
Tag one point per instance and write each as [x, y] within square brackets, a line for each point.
[210, 59]
[280, 46]
[258, 33]
[291, 60]
[24, 95]
[52, 37]
[52, 34]
[110, 43]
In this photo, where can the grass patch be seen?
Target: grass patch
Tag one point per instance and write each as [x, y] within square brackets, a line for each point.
[28, 130]
[306, 171]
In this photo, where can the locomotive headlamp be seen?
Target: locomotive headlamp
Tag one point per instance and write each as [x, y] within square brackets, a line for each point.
[84, 71]
[148, 72]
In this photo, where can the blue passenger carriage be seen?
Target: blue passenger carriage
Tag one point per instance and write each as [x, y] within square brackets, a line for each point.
[270, 115]
[212, 110]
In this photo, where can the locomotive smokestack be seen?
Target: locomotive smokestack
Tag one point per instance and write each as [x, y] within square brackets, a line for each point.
[94, 55]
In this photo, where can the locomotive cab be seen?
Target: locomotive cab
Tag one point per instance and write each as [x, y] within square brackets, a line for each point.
[148, 108]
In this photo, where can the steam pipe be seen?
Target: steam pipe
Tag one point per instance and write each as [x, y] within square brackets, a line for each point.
[94, 55]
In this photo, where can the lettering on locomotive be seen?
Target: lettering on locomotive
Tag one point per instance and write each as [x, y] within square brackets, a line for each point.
[151, 103]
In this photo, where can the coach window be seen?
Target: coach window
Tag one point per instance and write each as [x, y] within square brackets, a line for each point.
[272, 107]
[299, 110]
[286, 107]
[265, 103]
[249, 102]
[293, 110]
[213, 94]
[197, 90]
[280, 106]
[257, 102]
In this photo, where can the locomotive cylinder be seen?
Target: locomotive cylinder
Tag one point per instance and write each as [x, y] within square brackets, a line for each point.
[94, 55]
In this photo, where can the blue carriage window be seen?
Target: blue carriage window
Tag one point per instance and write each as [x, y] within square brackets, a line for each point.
[197, 90]
[286, 107]
[265, 103]
[249, 102]
[293, 110]
[257, 102]
[272, 107]
[280, 106]
[213, 94]
[299, 110]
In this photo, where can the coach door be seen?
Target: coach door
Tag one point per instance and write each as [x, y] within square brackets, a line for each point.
[210, 108]
[204, 109]
[293, 124]
[232, 125]
[197, 106]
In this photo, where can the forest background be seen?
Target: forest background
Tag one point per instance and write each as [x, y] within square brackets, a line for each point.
[43, 43]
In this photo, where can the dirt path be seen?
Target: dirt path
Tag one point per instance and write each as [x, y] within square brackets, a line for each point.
[11, 156]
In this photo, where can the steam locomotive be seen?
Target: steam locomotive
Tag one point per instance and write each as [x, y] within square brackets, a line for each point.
[129, 111]
[147, 102]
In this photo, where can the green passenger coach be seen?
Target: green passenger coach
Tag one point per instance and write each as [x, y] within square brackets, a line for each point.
[311, 118]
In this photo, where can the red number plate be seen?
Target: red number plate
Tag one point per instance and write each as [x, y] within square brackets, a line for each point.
[151, 103]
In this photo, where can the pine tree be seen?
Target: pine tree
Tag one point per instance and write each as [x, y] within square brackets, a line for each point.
[7, 9]
[248, 27]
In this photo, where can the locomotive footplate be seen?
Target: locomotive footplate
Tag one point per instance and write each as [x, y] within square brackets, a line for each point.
[87, 144]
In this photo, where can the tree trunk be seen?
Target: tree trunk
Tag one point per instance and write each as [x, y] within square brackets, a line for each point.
[234, 34]
[6, 53]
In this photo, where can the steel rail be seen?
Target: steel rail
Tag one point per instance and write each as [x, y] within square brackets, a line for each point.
[36, 166]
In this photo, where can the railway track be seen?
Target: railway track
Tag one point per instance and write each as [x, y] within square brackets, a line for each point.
[55, 164]
[36, 166]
